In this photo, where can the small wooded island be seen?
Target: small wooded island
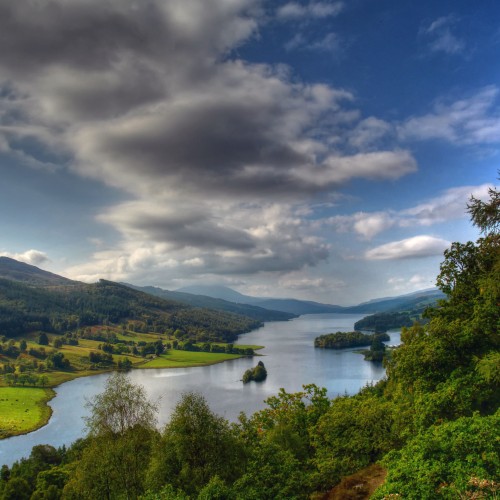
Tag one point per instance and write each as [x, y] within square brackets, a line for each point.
[257, 373]
[341, 340]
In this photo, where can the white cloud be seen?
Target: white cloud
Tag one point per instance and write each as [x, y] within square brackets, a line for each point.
[450, 205]
[415, 247]
[413, 283]
[369, 132]
[33, 257]
[312, 10]
[440, 38]
[328, 43]
[475, 120]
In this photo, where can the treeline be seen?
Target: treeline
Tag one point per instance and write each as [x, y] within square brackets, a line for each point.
[381, 322]
[433, 423]
[341, 340]
[25, 309]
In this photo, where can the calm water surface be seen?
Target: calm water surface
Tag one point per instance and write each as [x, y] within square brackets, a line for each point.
[289, 356]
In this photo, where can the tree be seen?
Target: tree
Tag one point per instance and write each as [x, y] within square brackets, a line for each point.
[122, 406]
[486, 215]
[43, 339]
[121, 432]
[16, 488]
[196, 445]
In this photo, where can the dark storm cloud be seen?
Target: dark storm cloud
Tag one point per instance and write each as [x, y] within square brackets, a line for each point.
[220, 145]
[92, 35]
[91, 59]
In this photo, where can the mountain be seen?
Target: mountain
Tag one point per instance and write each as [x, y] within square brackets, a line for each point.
[204, 301]
[33, 300]
[219, 292]
[299, 307]
[291, 306]
[412, 301]
[416, 302]
[12, 269]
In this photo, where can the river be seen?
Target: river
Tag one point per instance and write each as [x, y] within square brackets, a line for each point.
[289, 356]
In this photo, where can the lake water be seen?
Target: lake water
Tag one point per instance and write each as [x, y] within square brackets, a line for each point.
[289, 356]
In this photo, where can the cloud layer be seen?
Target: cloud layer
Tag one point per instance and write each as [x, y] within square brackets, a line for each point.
[415, 247]
[215, 154]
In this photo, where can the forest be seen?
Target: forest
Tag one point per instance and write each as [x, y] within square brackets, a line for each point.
[432, 424]
[342, 340]
[25, 308]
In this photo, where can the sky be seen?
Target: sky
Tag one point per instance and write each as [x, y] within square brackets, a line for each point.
[321, 150]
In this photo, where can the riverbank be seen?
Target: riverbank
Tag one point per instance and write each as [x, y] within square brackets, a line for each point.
[24, 409]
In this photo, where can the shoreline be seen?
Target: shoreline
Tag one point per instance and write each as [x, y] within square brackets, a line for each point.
[46, 410]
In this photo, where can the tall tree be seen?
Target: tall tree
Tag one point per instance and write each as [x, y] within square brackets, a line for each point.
[121, 432]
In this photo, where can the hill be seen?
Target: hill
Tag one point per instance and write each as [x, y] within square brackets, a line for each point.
[204, 301]
[12, 269]
[38, 300]
[415, 302]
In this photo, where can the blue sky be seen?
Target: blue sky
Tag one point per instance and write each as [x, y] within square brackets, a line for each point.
[310, 149]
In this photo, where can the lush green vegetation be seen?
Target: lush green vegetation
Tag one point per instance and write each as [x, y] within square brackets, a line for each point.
[341, 340]
[433, 423]
[257, 373]
[381, 322]
[26, 308]
[22, 409]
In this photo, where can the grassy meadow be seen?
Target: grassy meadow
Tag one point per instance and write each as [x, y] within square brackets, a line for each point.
[23, 409]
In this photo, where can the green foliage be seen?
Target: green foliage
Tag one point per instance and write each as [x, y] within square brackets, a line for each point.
[195, 445]
[272, 473]
[121, 433]
[381, 322]
[122, 406]
[353, 433]
[444, 455]
[112, 466]
[16, 488]
[341, 340]
[257, 373]
[24, 309]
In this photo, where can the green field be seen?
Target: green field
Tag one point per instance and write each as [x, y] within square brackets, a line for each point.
[179, 359]
[23, 409]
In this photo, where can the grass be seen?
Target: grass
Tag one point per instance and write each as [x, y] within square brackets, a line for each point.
[183, 359]
[23, 409]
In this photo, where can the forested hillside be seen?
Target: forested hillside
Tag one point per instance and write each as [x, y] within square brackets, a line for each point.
[204, 301]
[26, 308]
[433, 423]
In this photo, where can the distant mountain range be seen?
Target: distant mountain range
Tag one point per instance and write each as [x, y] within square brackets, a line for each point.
[31, 298]
[219, 304]
[415, 300]
[293, 306]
